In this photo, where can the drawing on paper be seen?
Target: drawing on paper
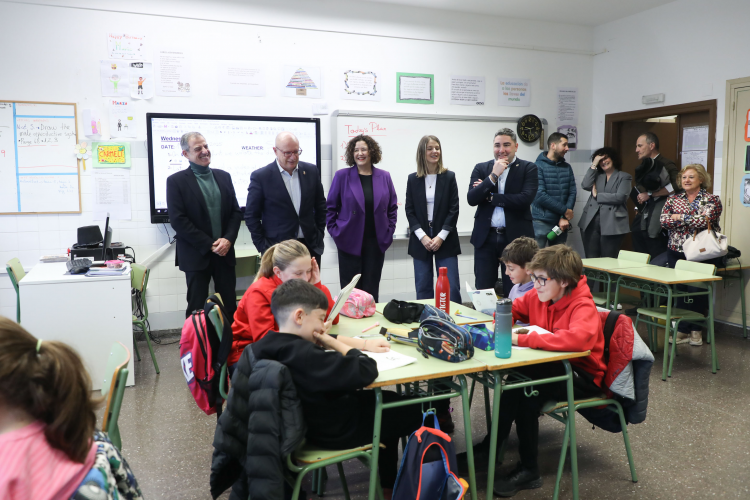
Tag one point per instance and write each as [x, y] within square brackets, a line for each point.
[301, 81]
[360, 82]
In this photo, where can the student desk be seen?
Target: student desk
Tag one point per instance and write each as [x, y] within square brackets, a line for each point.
[89, 314]
[459, 320]
[604, 268]
[735, 273]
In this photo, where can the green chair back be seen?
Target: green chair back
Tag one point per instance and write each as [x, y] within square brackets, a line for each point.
[641, 258]
[113, 389]
[696, 267]
[217, 320]
[139, 280]
[245, 266]
[16, 274]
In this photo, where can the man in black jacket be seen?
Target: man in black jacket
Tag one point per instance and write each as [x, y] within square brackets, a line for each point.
[203, 211]
[502, 189]
[285, 200]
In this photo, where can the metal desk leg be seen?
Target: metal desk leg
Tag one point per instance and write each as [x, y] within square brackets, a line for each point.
[467, 429]
[374, 480]
[572, 429]
[742, 298]
[497, 391]
[710, 330]
[667, 329]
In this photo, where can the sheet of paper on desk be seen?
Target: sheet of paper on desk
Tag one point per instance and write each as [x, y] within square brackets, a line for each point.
[390, 360]
[531, 328]
[484, 300]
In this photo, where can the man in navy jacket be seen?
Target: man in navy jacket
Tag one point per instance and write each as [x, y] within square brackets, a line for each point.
[285, 200]
[502, 189]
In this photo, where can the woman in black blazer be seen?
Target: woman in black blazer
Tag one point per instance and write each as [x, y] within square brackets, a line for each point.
[432, 211]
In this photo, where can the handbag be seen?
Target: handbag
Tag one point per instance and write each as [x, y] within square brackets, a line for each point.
[706, 245]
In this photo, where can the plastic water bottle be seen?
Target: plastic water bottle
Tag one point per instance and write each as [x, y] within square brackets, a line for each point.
[503, 328]
[443, 291]
[556, 231]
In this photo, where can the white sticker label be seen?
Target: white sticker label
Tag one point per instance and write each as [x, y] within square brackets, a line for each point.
[187, 366]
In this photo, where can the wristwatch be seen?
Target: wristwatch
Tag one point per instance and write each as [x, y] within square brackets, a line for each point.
[494, 177]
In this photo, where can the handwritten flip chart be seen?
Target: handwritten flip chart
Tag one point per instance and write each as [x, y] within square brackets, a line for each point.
[38, 165]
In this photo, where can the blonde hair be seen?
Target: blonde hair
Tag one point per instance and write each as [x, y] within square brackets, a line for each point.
[281, 255]
[49, 382]
[700, 170]
[561, 263]
[422, 156]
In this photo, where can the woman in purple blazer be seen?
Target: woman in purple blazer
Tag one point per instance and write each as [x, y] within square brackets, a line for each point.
[361, 218]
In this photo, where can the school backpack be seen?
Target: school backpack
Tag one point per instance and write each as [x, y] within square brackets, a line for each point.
[359, 304]
[428, 465]
[202, 355]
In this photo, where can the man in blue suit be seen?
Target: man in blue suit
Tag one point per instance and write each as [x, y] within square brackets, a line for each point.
[502, 189]
[285, 200]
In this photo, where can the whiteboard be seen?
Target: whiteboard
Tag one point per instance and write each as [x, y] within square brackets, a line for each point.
[465, 141]
[38, 166]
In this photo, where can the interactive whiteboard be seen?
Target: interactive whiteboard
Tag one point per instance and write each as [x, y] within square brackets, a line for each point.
[38, 165]
[465, 140]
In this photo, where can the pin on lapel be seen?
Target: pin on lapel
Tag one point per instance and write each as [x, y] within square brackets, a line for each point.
[304, 173]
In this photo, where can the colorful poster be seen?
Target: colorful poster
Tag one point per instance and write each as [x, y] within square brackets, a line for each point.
[174, 77]
[747, 159]
[415, 88]
[114, 78]
[747, 129]
[111, 154]
[121, 119]
[241, 79]
[301, 81]
[572, 132]
[92, 123]
[467, 90]
[514, 92]
[127, 46]
[141, 80]
[360, 85]
[745, 194]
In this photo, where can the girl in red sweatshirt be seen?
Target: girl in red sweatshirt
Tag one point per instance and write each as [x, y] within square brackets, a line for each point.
[282, 262]
[561, 303]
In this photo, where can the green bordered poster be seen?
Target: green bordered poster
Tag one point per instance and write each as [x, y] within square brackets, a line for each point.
[415, 88]
[111, 154]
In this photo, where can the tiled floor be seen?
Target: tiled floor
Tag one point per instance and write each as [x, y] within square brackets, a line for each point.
[694, 443]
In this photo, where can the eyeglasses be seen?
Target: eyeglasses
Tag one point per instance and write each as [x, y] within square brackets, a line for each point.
[542, 281]
[288, 154]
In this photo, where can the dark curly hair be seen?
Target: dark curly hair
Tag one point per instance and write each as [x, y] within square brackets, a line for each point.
[375, 154]
[610, 153]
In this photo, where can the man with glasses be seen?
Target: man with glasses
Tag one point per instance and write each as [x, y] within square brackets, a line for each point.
[285, 200]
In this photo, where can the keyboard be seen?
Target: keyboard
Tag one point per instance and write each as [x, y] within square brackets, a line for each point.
[78, 266]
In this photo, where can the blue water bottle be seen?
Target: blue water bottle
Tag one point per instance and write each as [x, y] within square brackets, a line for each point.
[503, 328]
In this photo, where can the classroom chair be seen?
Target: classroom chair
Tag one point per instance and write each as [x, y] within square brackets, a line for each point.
[672, 322]
[16, 274]
[217, 320]
[113, 389]
[139, 281]
[602, 298]
[246, 266]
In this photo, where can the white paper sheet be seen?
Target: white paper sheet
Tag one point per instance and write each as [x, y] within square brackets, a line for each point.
[127, 46]
[121, 118]
[141, 80]
[112, 193]
[514, 92]
[92, 123]
[114, 78]
[359, 85]
[301, 81]
[690, 157]
[484, 300]
[695, 138]
[415, 87]
[467, 90]
[390, 360]
[241, 79]
[567, 105]
[173, 73]
[531, 328]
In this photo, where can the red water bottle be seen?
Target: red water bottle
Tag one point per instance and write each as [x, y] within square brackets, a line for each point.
[443, 291]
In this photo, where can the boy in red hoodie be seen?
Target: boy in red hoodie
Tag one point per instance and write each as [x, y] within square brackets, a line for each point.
[561, 303]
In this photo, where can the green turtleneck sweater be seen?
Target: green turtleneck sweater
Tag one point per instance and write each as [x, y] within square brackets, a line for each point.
[211, 194]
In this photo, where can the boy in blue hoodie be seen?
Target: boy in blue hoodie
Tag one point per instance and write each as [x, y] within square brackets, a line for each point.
[556, 196]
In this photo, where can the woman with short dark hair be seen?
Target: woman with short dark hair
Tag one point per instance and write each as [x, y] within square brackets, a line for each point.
[604, 221]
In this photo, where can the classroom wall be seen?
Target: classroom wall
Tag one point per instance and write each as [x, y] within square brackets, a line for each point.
[685, 50]
[51, 53]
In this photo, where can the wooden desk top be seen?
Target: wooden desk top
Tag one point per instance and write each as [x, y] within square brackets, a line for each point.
[524, 357]
[736, 267]
[666, 275]
[610, 264]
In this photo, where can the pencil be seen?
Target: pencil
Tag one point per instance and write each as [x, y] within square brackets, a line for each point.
[377, 323]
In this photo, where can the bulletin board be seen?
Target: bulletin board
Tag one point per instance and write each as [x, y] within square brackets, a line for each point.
[38, 166]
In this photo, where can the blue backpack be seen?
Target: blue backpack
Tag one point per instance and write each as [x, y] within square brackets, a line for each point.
[428, 465]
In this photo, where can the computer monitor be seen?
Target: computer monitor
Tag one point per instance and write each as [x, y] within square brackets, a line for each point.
[107, 238]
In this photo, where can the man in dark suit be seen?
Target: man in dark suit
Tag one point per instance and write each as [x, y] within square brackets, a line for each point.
[285, 200]
[203, 211]
[502, 190]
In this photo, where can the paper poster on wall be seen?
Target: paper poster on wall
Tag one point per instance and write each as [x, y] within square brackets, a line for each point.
[745, 194]
[112, 194]
[121, 118]
[241, 79]
[415, 88]
[301, 81]
[695, 138]
[173, 73]
[114, 78]
[127, 46]
[92, 123]
[141, 80]
[572, 132]
[567, 105]
[747, 130]
[110, 154]
[747, 159]
[691, 157]
[359, 85]
[467, 90]
[514, 92]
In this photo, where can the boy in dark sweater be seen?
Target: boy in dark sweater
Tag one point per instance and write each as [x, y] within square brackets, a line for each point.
[338, 414]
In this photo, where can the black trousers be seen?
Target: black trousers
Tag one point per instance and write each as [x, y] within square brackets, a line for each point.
[486, 260]
[225, 281]
[697, 303]
[525, 412]
[313, 254]
[597, 244]
[643, 243]
[369, 265]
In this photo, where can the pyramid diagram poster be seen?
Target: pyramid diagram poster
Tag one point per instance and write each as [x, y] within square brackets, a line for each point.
[301, 81]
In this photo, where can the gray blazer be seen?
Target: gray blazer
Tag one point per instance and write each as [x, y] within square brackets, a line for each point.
[609, 202]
